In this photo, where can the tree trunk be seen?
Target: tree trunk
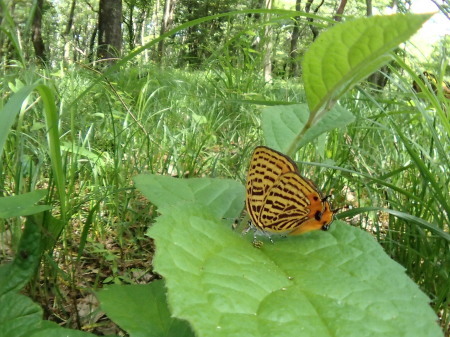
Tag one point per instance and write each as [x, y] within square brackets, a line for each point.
[340, 11]
[368, 7]
[267, 60]
[2, 36]
[38, 42]
[131, 32]
[294, 42]
[71, 15]
[109, 29]
[141, 17]
[313, 28]
[91, 54]
[378, 79]
[169, 8]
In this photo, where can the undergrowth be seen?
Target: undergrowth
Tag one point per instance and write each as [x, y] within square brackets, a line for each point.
[206, 123]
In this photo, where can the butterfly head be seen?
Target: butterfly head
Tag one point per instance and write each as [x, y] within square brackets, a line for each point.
[327, 215]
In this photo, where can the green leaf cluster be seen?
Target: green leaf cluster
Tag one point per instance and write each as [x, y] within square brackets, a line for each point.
[19, 315]
[338, 283]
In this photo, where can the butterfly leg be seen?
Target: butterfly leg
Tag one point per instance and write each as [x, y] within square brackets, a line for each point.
[249, 227]
[257, 243]
[235, 224]
[264, 233]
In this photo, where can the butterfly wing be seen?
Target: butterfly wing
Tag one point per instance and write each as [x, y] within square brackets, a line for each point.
[285, 206]
[294, 206]
[279, 199]
[266, 167]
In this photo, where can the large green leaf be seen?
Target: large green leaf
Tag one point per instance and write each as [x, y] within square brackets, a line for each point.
[224, 197]
[141, 310]
[282, 124]
[335, 283]
[350, 51]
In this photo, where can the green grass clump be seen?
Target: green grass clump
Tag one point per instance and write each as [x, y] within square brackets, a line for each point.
[81, 136]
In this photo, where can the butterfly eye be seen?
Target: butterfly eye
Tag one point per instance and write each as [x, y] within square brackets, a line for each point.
[318, 216]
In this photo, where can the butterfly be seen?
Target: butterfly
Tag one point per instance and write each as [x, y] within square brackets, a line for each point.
[279, 200]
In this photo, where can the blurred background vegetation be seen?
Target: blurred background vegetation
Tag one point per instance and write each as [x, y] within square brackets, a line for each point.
[176, 87]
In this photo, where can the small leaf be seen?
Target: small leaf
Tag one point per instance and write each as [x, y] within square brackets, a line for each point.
[350, 51]
[22, 204]
[21, 317]
[282, 124]
[54, 143]
[335, 283]
[141, 310]
[15, 275]
[51, 329]
[222, 196]
[18, 315]
[83, 152]
[9, 112]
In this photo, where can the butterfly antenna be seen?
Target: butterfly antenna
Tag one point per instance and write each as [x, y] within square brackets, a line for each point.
[326, 197]
[334, 211]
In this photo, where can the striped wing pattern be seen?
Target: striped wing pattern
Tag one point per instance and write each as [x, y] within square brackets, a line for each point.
[279, 199]
[265, 169]
[285, 206]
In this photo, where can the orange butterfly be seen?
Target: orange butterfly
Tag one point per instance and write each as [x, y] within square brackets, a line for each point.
[280, 200]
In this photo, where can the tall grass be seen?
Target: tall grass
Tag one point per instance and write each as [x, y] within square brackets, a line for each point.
[205, 123]
[169, 122]
[398, 150]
